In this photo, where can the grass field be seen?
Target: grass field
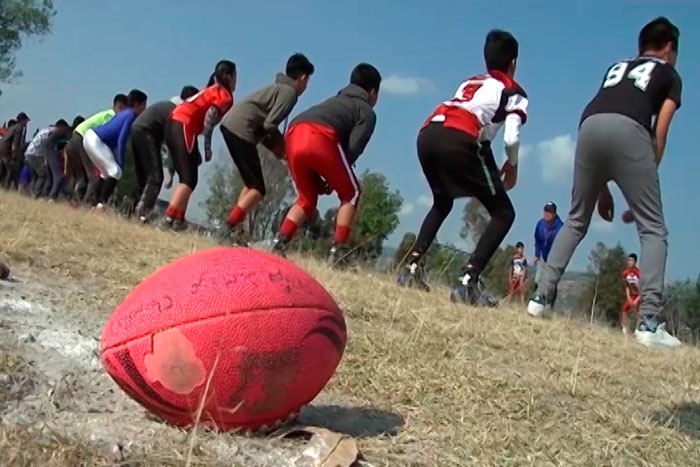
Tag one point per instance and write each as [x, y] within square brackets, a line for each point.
[423, 382]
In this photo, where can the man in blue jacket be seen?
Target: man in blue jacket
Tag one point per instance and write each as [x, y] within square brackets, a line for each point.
[545, 232]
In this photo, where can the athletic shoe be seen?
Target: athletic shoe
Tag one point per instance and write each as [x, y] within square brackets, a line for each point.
[279, 246]
[175, 225]
[338, 256]
[467, 290]
[655, 338]
[413, 275]
[539, 307]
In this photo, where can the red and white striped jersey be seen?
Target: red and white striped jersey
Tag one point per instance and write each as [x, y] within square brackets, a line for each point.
[481, 105]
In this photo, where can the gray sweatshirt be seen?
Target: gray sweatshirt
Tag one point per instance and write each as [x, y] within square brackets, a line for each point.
[350, 115]
[260, 113]
[154, 118]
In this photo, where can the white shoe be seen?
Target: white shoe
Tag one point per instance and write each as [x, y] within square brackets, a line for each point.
[659, 339]
[537, 307]
[625, 331]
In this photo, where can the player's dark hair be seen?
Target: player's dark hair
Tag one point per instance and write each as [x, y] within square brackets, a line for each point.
[120, 99]
[298, 65]
[656, 34]
[11, 122]
[223, 69]
[633, 256]
[136, 97]
[520, 245]
[500, 49]
[61, 123]
[77, 121]
[187, 92]
[366, 76]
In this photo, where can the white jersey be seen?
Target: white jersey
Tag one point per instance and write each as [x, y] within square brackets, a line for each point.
[482, 104]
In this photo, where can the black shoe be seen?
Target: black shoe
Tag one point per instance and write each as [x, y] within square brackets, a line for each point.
[338, 257]
[466, 290]
[175, 225]
[413, 275]
[280, 245]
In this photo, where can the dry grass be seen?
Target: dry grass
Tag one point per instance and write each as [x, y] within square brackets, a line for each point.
[470, 387]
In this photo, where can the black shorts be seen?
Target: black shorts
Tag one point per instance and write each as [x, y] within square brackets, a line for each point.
[455, 166]
[245, 156]
[186, 163]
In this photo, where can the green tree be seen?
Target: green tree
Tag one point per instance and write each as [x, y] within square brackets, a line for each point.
[226, 183]
[407, 242]
[496, 273]
[682, 307]
[605, 295]
[444, 263]
[377, 217]
[475, 218]
[126, 195]
[19, 20]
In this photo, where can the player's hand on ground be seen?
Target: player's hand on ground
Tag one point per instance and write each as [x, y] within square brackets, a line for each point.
[628, 217]
[207, 155]
[509, 175]
[606, 205]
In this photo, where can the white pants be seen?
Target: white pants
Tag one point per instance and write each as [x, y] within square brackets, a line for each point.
[101, 155]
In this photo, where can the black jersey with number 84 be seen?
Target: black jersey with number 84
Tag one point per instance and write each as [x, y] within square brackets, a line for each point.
[636, 88]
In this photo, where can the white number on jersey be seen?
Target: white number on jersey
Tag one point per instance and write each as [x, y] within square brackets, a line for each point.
[641, 74]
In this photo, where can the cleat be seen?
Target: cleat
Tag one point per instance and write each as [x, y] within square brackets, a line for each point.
[413, 275]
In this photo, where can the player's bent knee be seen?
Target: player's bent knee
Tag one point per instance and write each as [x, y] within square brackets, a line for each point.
[308, 206]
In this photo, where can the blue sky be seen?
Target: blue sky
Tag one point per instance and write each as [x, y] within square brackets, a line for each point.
[423, 49]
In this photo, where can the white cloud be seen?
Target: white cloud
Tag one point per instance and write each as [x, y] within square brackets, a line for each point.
[406, 85]
[425, 201]
[601, 226]
[406, 209]
[557, 158]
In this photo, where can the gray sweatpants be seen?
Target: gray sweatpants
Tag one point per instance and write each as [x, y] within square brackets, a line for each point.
[615, 147]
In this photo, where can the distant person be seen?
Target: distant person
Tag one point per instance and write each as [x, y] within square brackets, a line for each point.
[12, 148]
[254, 120]
[106, 145]
[199, 114]
[323, 143]
[85, 176]
[546, 231]
[631, 275]
[517, 275]
[6, 150]
[454, 149]
[43, 158]
[618, 142]
[147, 141]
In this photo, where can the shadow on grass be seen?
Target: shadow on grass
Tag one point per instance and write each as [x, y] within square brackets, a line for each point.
[358, 422]
[684, 418]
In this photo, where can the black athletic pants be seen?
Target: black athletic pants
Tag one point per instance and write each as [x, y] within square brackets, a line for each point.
[7, 170]
[149, 168]
[186, 163]
[456, 167]
[76, 169]
[245, 156]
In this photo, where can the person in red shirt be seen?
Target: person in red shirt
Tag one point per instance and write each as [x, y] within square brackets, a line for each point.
[198, 114]
[517, 276]
[322, 144]
[631, 276]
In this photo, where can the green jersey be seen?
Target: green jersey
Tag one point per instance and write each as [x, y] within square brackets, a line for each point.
[96, 120]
